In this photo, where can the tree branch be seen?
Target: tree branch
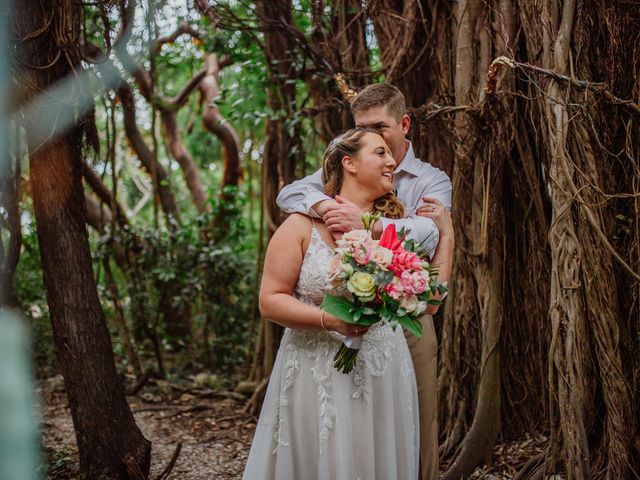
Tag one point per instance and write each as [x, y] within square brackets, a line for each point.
[103, 193]
[145, 155]
[492, 81]
[183, 29]
[181, 98]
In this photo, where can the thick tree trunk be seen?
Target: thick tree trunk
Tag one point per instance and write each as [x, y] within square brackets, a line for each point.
[417, 45]
[10, 200]
[343, 45]
[110, 444]
[281, 151]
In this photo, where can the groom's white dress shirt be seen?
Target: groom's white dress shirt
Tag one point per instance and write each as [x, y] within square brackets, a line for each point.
[413, 179]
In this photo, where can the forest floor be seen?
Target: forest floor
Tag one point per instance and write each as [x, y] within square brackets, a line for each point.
[210, 426]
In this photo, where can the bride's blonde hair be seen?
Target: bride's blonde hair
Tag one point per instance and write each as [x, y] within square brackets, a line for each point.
[349, 144]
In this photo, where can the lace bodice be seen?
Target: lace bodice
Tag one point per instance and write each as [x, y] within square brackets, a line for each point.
[312, 281]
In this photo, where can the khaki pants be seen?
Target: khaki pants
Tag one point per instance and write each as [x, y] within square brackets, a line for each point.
[424, 351]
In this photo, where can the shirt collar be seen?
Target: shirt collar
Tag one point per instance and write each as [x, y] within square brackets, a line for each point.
[410, 163]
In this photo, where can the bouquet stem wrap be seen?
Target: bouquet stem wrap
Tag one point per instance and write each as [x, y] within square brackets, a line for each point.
[345, 358]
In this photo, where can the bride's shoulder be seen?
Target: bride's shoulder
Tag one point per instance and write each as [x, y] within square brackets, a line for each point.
[296, 226]
[298, 220]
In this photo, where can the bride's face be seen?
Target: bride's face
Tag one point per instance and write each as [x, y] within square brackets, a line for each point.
[374, 165]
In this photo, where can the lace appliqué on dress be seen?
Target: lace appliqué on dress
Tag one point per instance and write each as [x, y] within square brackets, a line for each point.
[312, 280]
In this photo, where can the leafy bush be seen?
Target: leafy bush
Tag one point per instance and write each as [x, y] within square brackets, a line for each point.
[191, 287]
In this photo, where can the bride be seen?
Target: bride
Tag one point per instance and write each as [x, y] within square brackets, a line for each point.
[318, 423]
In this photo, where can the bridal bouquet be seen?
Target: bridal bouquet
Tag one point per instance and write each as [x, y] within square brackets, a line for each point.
[386, 280]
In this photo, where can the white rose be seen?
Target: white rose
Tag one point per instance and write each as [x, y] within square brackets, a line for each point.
[382, 256]
[335, 273]
[409, 303]
[422, 306]
[355, 236]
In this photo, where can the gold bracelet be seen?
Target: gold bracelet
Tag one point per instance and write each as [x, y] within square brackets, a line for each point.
[322, 321]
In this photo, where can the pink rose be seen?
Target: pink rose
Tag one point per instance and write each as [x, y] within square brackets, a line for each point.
[362, 252]
[409, 303]
[414, 282]
[350, 240]
[405, 261]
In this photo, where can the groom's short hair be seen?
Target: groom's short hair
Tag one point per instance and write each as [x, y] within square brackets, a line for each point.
[379, 95]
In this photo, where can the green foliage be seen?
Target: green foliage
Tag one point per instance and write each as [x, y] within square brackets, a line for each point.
[199, 275]
[31, 296]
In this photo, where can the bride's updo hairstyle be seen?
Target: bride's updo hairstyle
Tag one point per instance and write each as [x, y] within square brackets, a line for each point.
[349, 144]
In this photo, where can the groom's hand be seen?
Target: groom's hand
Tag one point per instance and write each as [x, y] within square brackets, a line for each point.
[342, 217]
[323, 207]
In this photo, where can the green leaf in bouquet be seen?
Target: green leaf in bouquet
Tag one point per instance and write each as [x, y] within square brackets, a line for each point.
[411, 324]
[368, 311]
[370, 267]
[410, 245]
[338, 307]
[346, 311]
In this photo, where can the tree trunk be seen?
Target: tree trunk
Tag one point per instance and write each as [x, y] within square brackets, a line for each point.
[105, 195]
[281, 151]
[417, 47]
[221, 128]
[10, 179]
[343, 45]
[110, 444]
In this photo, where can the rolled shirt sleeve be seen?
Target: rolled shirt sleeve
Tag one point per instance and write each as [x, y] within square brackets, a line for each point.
[301, 195]
[438, 186]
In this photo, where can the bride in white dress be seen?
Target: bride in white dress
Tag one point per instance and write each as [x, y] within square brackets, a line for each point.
[316, 422]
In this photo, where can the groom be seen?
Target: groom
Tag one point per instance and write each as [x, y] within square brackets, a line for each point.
[382, 107]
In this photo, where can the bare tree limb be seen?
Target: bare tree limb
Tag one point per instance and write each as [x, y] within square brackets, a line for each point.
[183, 29]
[105, 195]
[145, 155]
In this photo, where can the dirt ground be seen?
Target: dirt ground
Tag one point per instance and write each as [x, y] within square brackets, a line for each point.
[214, 432]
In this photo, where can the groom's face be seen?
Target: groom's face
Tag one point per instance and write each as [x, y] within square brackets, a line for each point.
[393, 130]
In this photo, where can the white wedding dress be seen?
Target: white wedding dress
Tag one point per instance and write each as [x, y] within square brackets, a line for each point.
[318, 423]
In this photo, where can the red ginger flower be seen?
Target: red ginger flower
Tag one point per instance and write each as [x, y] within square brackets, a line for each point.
[390, 240]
